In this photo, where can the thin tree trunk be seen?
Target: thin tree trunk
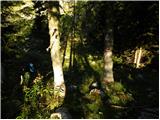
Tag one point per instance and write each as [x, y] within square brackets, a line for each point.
[71, 50]
[53, 23]
[65, 49]
[135, 58]
[139, 58]
[72, 40]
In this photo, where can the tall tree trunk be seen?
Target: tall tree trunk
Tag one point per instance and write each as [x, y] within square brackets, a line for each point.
[108, 62]
[53, 24]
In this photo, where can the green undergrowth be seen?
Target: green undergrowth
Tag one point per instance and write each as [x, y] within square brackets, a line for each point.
[38, 99]
[118, 94]
[132, 88]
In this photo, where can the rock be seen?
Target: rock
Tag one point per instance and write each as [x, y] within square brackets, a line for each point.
[95, 84]
[61, 113]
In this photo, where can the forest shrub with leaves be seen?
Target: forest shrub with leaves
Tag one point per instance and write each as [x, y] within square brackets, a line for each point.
[38, 99]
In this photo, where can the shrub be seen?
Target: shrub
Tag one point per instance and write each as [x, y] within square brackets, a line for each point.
[117, 94]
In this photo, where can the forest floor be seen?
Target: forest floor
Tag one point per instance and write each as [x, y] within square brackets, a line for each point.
[141, 84]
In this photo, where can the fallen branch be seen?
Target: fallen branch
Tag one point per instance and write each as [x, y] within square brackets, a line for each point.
[124, 107]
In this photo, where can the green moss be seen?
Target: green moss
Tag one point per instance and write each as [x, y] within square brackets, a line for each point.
[117, 94]
[114, 88]
[114, 100]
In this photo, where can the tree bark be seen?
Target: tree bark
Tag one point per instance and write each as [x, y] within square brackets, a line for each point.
[53, 24]
[108, 62]
[108, 42]
[137, 58]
